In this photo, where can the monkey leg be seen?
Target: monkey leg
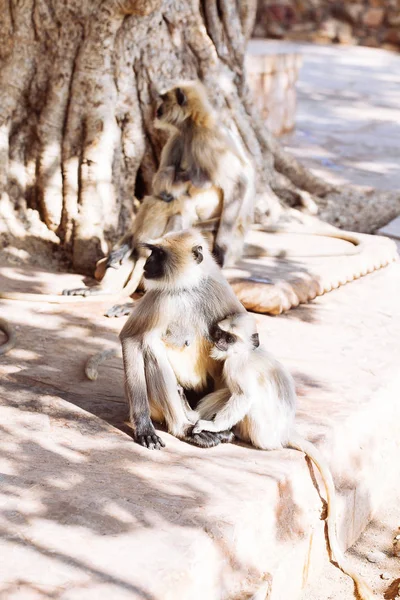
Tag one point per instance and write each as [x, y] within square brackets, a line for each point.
[231, 413]
[136, 393]
[113, 281]
[208, 407]
[211, 404]
[162, 388]
[163, 392]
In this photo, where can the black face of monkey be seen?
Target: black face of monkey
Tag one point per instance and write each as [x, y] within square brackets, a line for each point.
[171, 109]
[222, 339]
[166, 264]
[154, 267]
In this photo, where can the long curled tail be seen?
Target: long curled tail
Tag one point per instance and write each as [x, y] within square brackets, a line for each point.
[9, 331]
[93, 363]
[297, 442]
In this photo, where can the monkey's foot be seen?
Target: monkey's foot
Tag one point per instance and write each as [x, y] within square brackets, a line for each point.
[119, 310]
[226, 437]
[86, 291]
[148, 438]
[116, 257]
[207, 439]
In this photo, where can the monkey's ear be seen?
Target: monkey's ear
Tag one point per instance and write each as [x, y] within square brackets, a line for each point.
[255, 340]
[180, 97]
[197, 252]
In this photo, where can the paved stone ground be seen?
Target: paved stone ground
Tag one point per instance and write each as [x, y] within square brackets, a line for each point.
[348, 113]
[348, 130]
[87, 514]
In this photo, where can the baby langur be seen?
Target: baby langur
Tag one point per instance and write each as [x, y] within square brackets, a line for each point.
[260, 404]
[203, 154]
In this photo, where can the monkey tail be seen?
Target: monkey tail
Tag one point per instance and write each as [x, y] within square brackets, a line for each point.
[136, 276]
[297, 442]
[93, 363]
[9, 331]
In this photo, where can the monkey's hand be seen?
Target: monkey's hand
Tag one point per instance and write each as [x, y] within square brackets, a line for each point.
[163, 182]
[203, 425]
[116, 257]
[207, 439]
[147, 437]
[119, 310]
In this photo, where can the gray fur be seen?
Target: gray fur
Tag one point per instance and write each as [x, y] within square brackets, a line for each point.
[151, 366]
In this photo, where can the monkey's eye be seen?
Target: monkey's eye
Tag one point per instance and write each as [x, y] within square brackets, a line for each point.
[215, 333]
[197, 252]
[230, 339]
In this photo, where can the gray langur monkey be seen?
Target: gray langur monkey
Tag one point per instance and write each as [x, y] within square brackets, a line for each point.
[200, 152]
[260, 404]
[165, 342]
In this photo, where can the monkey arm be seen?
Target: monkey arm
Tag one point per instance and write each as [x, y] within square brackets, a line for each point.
[165, 185]
[233, 411]
[142, 319]
[136, 390]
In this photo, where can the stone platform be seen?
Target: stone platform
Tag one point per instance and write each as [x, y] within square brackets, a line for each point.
[87, 514]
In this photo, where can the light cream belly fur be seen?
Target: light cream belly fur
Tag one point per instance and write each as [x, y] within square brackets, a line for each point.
[192, 364]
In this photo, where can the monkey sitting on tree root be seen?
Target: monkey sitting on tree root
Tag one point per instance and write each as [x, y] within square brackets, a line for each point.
[202, 153]
[204, 175]
[122, 270]
[260, 404]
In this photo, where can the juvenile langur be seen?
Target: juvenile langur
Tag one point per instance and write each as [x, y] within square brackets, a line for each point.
[165, 342]
[9, 331]
[260, 404]
[202, 153]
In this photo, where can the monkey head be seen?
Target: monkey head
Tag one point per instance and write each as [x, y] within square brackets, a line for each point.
[177, 261]
[234, 335]
[182, 104]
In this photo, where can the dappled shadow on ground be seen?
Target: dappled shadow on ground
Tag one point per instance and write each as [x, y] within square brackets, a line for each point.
[348, 123]
[68, 476]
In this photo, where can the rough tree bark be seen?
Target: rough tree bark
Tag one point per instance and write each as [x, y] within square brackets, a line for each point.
[78, 89]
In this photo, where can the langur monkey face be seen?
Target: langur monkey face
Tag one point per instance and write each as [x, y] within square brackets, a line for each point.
[180, 104]
[171, 111]
[234, 335]
[175, 261]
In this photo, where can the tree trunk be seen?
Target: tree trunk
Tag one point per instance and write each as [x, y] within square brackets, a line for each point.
[79, 85]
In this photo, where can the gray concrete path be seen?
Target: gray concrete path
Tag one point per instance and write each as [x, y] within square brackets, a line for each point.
[348, 112]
